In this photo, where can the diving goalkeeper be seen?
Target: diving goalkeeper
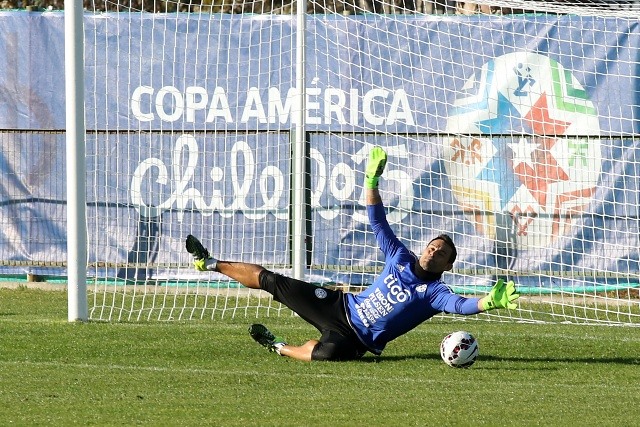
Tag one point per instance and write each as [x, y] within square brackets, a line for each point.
[409, 291]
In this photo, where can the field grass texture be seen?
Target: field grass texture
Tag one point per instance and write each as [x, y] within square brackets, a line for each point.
[210, 372]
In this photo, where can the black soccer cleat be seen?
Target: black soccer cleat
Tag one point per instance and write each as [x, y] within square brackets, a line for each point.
[195, 248]
[263, 336]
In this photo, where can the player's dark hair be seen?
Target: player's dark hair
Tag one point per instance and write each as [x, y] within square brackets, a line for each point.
[447, 239]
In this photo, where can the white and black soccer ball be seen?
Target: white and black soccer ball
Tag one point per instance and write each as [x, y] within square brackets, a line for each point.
[459, 349]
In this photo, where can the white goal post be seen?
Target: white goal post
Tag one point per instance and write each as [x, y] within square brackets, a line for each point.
[513, 127]
[77, 309]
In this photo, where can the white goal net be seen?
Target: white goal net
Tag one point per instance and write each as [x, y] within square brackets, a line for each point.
[510, 125]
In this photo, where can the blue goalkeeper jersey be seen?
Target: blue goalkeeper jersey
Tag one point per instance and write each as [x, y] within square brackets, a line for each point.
[398, 301]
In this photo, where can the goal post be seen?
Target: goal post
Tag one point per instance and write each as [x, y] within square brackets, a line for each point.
[77, 309]
[299, 151]
[512, 128]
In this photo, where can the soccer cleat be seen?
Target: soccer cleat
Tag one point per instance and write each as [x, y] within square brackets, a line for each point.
[195, 248]
[265, 338]
[202, 260]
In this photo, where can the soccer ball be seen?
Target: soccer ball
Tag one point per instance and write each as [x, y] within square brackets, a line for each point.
[459, 349]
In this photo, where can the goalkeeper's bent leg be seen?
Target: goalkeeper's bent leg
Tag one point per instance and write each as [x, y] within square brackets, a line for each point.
[302, 352]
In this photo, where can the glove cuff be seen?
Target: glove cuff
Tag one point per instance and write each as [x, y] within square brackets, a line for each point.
[487, 303]
[371, 182]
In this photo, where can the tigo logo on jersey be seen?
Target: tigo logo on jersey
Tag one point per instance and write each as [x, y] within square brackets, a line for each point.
[523, 159]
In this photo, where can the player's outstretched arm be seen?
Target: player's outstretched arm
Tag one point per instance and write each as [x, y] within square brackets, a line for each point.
[375, 166]
[502, 295]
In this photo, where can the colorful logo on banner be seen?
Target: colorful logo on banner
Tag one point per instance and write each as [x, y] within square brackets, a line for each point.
[524, 155]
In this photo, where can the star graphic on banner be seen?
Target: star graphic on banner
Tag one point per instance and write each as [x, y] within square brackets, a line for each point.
[507, 120]
[540, 121]
[522, 151]
[499, 169]
[542, 172]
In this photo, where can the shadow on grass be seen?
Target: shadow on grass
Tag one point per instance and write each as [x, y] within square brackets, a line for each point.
[580, 360]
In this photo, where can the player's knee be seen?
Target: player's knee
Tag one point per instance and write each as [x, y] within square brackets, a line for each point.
[267, 280]
[325, 351]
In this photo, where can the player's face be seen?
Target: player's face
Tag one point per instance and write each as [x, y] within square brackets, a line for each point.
[435, 257]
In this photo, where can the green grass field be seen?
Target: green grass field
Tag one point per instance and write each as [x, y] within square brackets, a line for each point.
[211, 373]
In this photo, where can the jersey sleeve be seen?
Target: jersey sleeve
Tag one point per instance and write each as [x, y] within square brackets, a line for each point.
[388, 243]
[450, 302]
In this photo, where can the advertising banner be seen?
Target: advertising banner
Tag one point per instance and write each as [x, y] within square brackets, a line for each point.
[524, 128]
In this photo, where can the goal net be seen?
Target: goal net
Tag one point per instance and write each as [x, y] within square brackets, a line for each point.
[510, 125]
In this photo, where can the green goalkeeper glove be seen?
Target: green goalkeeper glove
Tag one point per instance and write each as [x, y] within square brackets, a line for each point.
[375, 167]
[502, 295]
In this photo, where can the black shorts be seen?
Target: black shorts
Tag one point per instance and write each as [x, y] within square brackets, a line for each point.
[323, 308]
